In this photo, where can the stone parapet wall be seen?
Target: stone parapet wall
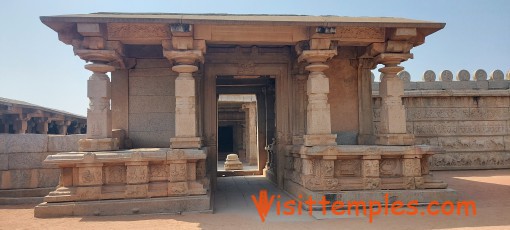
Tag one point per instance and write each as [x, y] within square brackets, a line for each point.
[469, 119]
[361, 167]
[141, 174]
[21, 155]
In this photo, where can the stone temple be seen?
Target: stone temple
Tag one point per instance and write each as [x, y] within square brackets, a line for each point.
[308, 124]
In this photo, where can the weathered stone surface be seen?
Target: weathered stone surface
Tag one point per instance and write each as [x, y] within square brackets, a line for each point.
[497, 75]
[4, 161]
[480, 75]
[149, 122]
[452, 128]
[26, 160]
[470, 160]
[150, 139]
[48, 178]
[124, 207]
[149, 63]
[151, 86]
[463, 75]
[446, 76]
[147, 104]
[98, 144]
[429, 76]
[64, 143]
[23, 143]
[21, 178]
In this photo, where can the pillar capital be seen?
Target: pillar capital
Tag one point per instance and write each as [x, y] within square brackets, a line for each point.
[316, 56]
[392, 58]
[99, 68]
[184, 57]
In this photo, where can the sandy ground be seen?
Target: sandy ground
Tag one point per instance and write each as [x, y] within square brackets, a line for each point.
[490, 189]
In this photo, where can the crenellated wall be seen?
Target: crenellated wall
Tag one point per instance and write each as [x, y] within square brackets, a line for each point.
[468, 117]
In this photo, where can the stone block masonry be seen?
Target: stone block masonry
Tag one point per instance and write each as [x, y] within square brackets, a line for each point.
[469, 119]
[23, 177]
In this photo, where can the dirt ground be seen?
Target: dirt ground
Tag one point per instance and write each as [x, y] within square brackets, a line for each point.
[490, 189]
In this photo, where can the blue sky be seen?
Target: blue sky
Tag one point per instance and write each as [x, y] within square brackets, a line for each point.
[37, 68]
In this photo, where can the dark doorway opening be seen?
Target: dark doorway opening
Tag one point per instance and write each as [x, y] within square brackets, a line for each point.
[225, 141]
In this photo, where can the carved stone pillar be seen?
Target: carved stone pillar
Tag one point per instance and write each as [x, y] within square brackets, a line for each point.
[392, 130]
[318, 115]
[99, 120]
[185, 98]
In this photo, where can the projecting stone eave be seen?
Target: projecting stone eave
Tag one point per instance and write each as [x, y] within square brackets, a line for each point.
[65, 25]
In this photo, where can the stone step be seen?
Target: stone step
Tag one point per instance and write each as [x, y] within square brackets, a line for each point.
[20, 200]
[21, 193]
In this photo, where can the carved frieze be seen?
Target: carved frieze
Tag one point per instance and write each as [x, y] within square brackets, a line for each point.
[246, 68]
[456, 114]
[347, 168]
[136, 174]
[177, 172]
[390, 167]
[115, 174]
[90, 176]
[158, 172]
[452, 128]
[327, 168]
[470, 160]
[370, 168]
[122, 31]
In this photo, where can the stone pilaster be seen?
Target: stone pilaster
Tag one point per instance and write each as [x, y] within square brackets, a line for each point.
[370, 171]
[366, 127]
[392, 129]
[99, 120]
[318, 115]
[185, 98]
[251, 132]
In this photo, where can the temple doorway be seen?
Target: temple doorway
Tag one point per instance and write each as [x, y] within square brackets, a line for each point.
[245, 123]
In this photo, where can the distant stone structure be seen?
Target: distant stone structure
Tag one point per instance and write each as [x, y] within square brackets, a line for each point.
[311, 79]
[23, 117]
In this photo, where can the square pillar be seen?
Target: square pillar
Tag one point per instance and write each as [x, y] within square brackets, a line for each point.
[99, 120]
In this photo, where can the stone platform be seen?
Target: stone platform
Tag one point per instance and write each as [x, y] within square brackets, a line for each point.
[422, 196]
[117, 182]
[364, 172]
[199, 203]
